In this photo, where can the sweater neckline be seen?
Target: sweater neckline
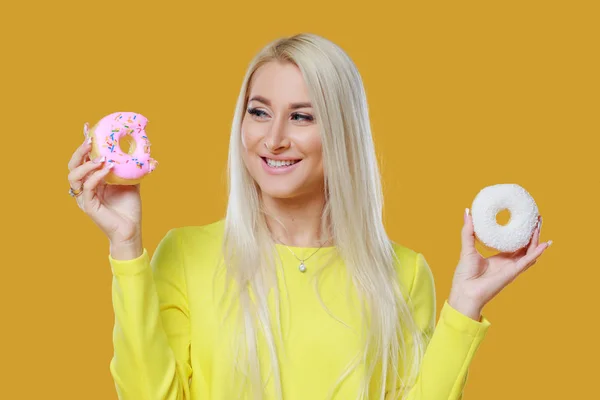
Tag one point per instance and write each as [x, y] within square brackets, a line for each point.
[283, 246]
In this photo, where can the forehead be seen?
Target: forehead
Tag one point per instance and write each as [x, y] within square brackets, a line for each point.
[280, 83]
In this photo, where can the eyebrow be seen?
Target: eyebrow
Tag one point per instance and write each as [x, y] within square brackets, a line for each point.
[292, 106]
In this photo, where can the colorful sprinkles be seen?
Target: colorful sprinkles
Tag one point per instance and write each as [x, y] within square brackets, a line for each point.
[127, 127]
[111, 142]
[138, 163]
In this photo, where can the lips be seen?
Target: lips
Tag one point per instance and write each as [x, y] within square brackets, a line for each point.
[279, 163]
[279, 166]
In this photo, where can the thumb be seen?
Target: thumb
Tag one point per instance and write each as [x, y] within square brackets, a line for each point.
[468, 235]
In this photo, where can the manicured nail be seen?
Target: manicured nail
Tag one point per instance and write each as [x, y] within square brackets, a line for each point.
[110, 165]
[85, 129]
[550, 243]
[540, 225]
[89, 141]
[99, 159]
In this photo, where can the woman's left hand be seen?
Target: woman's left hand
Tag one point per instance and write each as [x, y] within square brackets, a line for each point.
[477, 279]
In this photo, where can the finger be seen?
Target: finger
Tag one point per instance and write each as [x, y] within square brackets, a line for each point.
[468, 235]
[517, 254]
[90, 201]
[535, 239]
[86, 128]
[529, 259]
[77, 175]
[77, 157]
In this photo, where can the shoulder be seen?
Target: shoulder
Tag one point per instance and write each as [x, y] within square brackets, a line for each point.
[411, 267]
[199, 235]
[198, 246]
[188, 237]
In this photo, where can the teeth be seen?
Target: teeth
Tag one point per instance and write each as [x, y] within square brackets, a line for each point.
[277, 164]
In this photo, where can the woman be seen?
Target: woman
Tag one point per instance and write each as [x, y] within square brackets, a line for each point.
[298, 293]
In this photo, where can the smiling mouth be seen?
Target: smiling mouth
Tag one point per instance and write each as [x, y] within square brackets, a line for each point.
[279, 163]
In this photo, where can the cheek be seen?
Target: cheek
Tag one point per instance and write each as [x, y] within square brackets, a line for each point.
[250, 135]
[313, 145]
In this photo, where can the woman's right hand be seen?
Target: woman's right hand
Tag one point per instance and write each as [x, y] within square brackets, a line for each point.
[115, 209]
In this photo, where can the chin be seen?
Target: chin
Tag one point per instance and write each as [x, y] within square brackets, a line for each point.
[278, 191]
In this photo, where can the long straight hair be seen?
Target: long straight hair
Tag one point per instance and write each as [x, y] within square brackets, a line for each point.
[353, 213]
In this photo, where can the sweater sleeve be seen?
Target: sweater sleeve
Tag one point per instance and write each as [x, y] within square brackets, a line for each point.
[452, 346]
[151, 336]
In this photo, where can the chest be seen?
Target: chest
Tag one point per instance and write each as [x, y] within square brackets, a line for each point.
[320, 326]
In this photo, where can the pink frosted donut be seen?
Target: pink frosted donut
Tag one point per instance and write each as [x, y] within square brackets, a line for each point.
[122, 139]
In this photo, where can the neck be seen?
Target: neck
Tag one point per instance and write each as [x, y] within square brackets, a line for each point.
[296, 221]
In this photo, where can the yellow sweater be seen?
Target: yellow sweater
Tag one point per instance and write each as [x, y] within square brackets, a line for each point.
[169, 344]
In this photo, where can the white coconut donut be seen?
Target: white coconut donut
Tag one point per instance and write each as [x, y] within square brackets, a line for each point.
[523, 216]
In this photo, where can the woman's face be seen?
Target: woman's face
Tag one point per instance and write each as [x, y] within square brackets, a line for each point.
[280, 135]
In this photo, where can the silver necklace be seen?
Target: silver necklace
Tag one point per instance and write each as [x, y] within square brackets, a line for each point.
[302, 266]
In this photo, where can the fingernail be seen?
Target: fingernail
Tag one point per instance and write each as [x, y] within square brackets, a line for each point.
[99, 159]
[89, 141]
[110, 165]
[466, 214]
[540, 225]
[85, 129]
[550, 243]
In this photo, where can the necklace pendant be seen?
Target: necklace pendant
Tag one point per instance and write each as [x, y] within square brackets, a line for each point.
[302, 267]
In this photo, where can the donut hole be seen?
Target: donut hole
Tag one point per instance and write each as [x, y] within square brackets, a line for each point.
[127, 144]
[503, 217]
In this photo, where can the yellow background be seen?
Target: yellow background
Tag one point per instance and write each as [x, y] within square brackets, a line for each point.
[462, 95]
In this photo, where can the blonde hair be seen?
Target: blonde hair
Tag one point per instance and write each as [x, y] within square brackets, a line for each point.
[353, 213]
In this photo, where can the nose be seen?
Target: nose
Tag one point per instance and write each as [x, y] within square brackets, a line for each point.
[276, 139]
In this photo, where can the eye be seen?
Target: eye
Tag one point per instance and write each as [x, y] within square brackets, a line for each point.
[256, 112]
[303, 117]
